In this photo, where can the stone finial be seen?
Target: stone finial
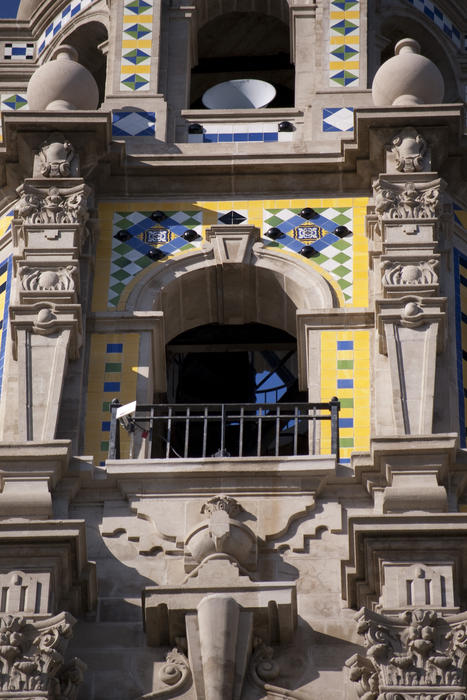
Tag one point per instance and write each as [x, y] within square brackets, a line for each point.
[407, 78]
[62, 84]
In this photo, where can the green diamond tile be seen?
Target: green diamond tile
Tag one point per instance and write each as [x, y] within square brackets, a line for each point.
[341, 258]
[118, 288]
[139, 7]
[137, 31]
[134, 82]
[341, 271]
[123, 223]
[344, 78]
[343, 284]
[136, 56]
[342, 219]
[122, 249]
[121, 275]
[121, 262]
[144, 261]
[342, 244]
[273, 221]
[346, 442]
[344, 52]
[320, 259]
[113, 367]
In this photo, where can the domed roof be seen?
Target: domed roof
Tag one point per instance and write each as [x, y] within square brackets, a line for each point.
[27, 8]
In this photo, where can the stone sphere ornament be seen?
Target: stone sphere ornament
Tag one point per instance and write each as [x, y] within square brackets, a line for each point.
[407, 78]
[62, 84]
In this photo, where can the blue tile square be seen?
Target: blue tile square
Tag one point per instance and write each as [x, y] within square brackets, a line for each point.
[345, 383]
[112, 386]
[255, 137]
[225, 138]
[114, 347]
[240, 137]
[105, 426]
[210, 138]
[346, 422]
[271, 136]
[345, 344]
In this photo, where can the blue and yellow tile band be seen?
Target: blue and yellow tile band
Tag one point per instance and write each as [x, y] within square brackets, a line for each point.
[129, 235]
[113, 372]
[345, 373]
[135, 66]
[344, 43]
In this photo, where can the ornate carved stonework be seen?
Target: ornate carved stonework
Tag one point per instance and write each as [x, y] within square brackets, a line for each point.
[407, 200]
[417, 655]
[409, 149]
[56, 155]
[38, 279]
[57, 206]
[225, 503]
[32, 659]
[399, 273]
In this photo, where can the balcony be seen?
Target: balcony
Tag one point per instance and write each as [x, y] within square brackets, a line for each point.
[186, 431]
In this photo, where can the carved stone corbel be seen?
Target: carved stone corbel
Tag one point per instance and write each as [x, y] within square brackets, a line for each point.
[409, 151]
[56, 158]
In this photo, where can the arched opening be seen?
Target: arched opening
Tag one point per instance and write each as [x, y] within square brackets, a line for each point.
[239, 45]
[87, 39]
[246, 369]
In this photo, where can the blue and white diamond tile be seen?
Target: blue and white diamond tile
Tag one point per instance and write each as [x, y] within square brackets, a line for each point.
[338, 119]
[137, 123]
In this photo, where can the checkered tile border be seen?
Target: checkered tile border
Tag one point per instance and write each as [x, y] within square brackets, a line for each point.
[18, 51]
[135, 66]
[60, 21]
[439, 18]
[344, 43]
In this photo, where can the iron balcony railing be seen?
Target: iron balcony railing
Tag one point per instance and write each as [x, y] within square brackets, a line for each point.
[180, 431]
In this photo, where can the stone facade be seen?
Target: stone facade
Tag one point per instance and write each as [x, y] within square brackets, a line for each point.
[174, 523]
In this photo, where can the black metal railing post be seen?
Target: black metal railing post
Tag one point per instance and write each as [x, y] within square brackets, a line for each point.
[335, 407]
[114, 438]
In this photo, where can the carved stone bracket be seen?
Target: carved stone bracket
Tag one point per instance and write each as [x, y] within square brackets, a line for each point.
[409, 151]
[32, 658]
[56, 158]
[56, 205]
[417, 654]
[48, 280]
[407, 274]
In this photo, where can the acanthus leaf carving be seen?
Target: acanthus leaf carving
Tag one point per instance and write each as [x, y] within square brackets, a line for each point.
[32, 658]
[417, 655]
[407, 200]
[57, 206]
[409, 149]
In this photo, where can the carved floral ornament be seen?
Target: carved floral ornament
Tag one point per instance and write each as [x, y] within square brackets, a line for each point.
[56, 155]
[408, 149]
[57, 206]
[38, 279]
[399, 273]
[32, 658]
[418, 655]
[407, 200]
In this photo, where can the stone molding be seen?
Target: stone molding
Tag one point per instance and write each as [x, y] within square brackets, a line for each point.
[56, 205]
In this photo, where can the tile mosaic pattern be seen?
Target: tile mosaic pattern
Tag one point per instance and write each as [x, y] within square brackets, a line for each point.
[18, 51]
[131, 256]
[129, 235]
[439, 18]
[460, 285]
[335, 254]
[11, 101]
[337, 119]
[134, 123]
[345, 373]
[344, 43]
[112, 374]
[264, 132]
[59, 21]
[135, 66]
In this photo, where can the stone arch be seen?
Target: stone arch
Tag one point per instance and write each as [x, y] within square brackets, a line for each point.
[234, 278]
[208, 10]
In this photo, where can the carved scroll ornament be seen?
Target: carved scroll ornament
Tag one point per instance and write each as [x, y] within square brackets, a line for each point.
[407, 200]
[57, 206]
